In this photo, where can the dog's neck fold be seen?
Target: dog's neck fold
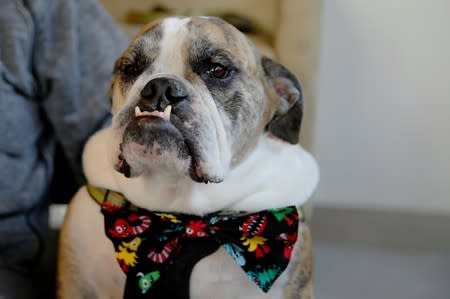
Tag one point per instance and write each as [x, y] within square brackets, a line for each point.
[276, 174]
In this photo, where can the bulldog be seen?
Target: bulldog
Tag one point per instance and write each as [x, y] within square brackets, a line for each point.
[203, 127]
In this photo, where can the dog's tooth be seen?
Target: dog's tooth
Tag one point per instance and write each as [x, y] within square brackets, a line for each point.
[137, 111]
[167, 112]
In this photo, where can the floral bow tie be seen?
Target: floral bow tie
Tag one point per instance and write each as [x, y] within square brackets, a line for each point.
[158, 251]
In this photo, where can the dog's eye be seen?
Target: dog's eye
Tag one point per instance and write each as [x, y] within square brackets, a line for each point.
[218, 71]
[130, 69]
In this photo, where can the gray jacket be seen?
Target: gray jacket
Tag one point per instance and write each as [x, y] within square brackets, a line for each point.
[56, 60]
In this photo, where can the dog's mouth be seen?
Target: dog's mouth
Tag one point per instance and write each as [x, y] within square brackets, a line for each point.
[164, 114]
[159, 140]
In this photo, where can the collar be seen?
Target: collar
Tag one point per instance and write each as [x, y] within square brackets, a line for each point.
[101, 195]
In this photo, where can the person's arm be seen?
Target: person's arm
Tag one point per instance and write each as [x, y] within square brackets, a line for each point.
[75, 50]
[22, 168]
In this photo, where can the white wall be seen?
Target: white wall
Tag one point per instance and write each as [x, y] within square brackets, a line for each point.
[382, 123]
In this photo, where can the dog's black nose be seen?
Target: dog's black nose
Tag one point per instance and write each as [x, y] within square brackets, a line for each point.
[161, 92]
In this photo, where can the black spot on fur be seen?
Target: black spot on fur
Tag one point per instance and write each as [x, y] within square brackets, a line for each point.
[138, 58]
[203, 54]
[285, 126]
[233, 105]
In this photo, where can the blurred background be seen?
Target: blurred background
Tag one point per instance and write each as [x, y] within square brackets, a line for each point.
[377, 84]
[376, 78]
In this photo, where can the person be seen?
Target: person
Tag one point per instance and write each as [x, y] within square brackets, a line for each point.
[56, 61]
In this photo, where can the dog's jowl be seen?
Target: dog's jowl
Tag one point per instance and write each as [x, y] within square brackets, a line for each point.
[196, 189]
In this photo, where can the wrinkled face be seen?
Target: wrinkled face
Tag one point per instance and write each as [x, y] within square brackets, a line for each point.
[189, 98]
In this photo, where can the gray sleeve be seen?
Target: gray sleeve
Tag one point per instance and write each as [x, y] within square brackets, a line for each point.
[23, 168]
[76, 46]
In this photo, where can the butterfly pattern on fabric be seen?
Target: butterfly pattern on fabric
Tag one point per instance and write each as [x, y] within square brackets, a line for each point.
[148, 244]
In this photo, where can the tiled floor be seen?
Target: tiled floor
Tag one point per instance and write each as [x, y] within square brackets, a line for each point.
[369, 255]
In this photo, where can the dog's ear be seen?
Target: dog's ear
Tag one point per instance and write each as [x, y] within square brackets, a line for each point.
[288, 117]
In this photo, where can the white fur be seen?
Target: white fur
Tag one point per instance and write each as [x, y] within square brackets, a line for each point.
[216, 147]
[171, 61]
[218, 277]
[276, 174]
[170, 57]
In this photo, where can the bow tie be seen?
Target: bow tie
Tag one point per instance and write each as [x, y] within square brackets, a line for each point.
[158, 250]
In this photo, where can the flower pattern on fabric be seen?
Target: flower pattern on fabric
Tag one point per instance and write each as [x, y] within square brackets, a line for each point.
[126, 254]
[148, 244]
[264, 277]
[236, 253]
[256, 244]
[162, 255]
[123, 228]
[196, 229]
[252, 228]
[146, 281]
[289, 238]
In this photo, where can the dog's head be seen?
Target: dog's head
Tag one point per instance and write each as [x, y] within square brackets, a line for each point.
[191, 96]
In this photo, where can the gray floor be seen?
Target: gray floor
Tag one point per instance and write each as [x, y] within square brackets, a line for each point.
[368, 255]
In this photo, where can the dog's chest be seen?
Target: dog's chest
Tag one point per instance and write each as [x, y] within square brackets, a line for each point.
[218, 276]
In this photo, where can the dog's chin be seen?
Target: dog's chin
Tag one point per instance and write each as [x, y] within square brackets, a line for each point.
[153, 145]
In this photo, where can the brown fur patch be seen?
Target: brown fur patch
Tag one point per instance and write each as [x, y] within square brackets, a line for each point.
[225, 36]
[300, 285]
[148, 27]
[117, 96]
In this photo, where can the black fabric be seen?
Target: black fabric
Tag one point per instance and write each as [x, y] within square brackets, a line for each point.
[176, 279]
[158, 251]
